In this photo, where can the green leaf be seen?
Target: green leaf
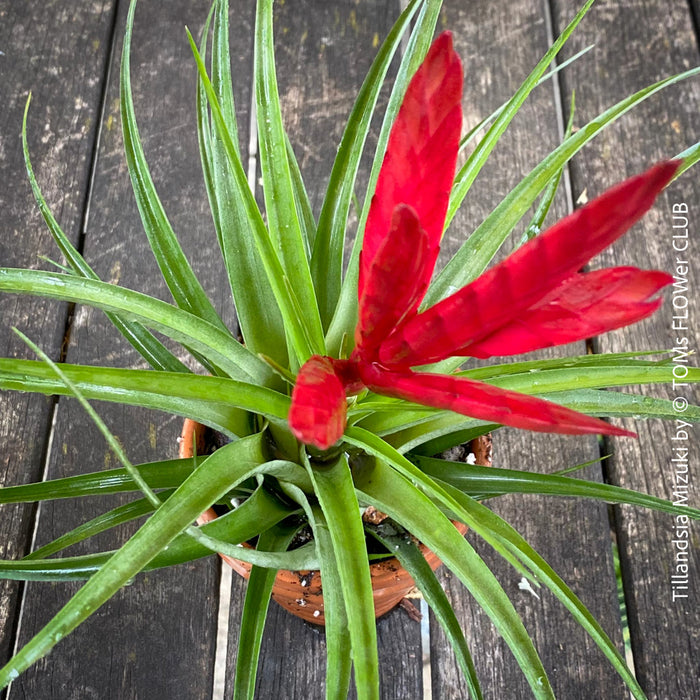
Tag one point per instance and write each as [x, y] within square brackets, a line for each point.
[476, 253]
[106, 521]
[258, 316]
[398, 541]
[180, 325]
[278, 189]
[259, 512]
[537, 222]
[499, 529]
[176, 270]
[338, 641]
[158, 475]
[468, 172]
[216, 475]
[615, 403]
[150, 348]
[257, 600]
[472, 133]
[334, 488]
[295, 325]
[485, 482]
[393, 494]
[301, 199]
[327, 258]
[211, 400]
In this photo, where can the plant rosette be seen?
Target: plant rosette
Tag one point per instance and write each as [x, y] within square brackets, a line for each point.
[301, 592]
[349, 379]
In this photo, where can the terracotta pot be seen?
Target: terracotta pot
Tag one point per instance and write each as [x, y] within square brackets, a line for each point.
[300, 592]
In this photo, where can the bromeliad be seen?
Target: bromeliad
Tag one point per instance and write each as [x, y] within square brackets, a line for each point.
[535, 298]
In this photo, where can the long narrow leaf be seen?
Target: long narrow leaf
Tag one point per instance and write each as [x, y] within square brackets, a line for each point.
[259, 318]
[278, 189]
[218, 345]
[258, 513]
[176, 270]
[485, 482]
[338, 641]
[537, 222]
[294, 325]
[518, 545]
[159, 475]
[111, 519]
[335, 490]
[301, 198]
[173, 394]
[255, 605]
[150, 348]
[468, 172]
[391, 493]
[410, 557]
[216, 475]
[472, 133]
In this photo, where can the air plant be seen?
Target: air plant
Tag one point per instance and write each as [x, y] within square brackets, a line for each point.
[323, 405]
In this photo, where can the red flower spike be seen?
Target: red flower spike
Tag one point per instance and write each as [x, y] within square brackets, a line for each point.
[483, 401]
[317, 415]
[583, 306]
[421, 154]
[535, 298]
[506, 291]
[396, 282]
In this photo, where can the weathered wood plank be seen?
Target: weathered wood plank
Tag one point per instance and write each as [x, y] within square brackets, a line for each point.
[499, 43]
[139, 629]
[61, 59]
[637, 44]
[155, 638]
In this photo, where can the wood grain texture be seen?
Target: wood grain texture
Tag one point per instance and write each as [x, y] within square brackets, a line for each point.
[61, 60]
[156, 637]
[638, 43]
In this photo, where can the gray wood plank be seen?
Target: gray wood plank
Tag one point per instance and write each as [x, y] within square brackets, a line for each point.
[61, 59]
[156, 638]
[499, 43]
[135, 645]
[637, 44]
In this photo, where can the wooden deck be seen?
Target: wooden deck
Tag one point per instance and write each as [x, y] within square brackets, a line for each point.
[157, 638]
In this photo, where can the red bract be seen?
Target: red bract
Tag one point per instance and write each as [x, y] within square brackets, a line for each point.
[535, 298]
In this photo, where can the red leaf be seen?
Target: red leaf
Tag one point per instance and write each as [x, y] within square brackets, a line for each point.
[318, 411]
[421, 153]
[483, 401]
[583, 306]
[396, 281]
[509, 289]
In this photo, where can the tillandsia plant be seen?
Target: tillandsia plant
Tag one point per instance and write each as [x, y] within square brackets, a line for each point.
[346, 384]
